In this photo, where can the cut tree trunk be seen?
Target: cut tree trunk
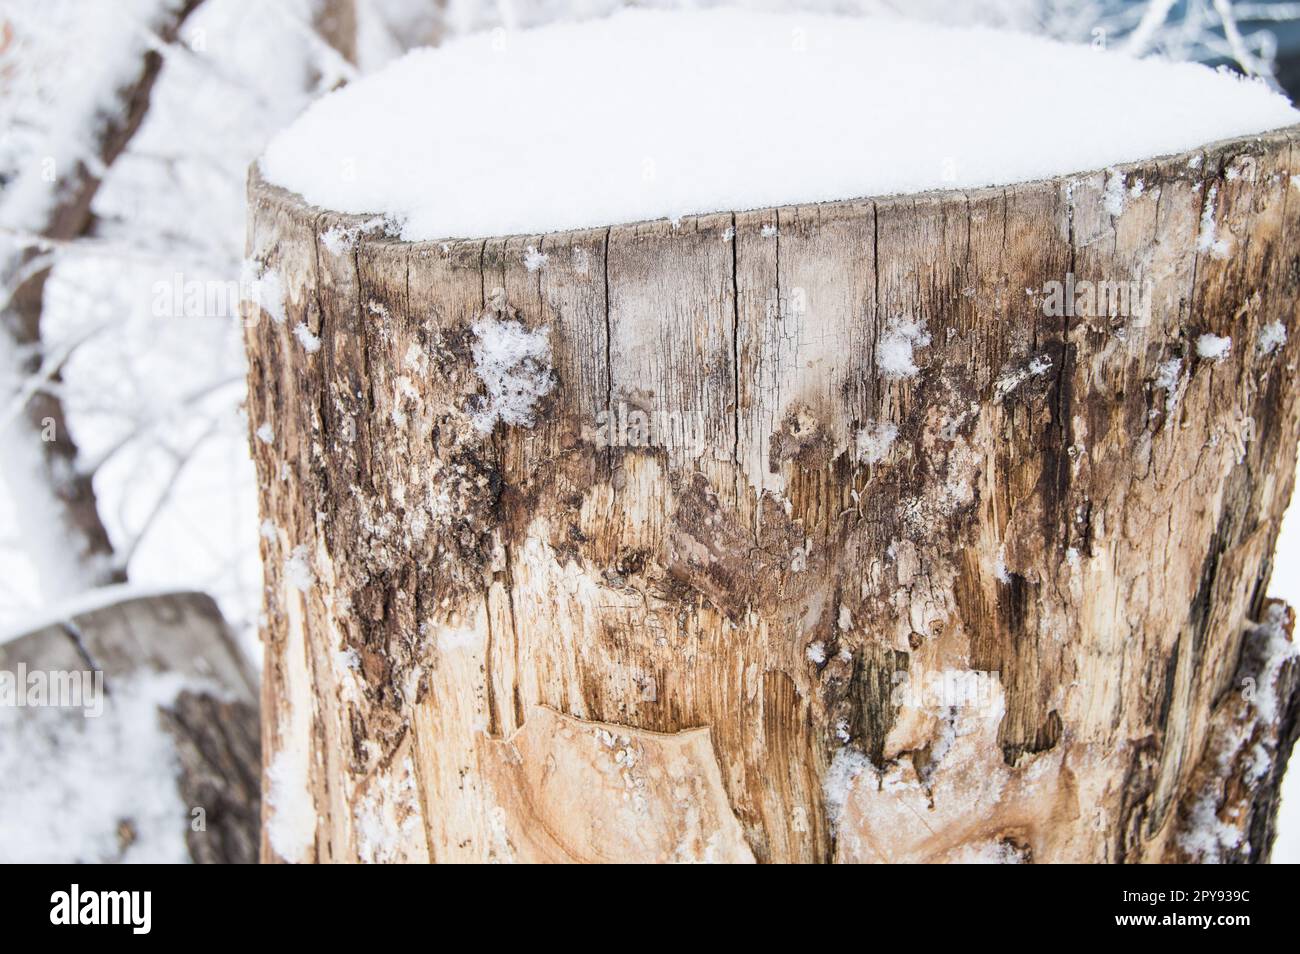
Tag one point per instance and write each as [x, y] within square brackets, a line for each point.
[822, 533]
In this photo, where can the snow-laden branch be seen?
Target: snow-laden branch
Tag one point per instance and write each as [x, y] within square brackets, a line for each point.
[95, 119]
[1240, 53]
[1157, 12]
[332, 65]
[123, 559]
[52, 363]
[150, 424]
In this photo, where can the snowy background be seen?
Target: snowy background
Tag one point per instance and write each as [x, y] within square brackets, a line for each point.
[154, 402]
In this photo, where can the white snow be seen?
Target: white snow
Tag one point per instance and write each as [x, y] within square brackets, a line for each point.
[896, 355]
[71, 782]
[875, 440]
[89, 95]
[336, 240]
[261, 287]
[651, 114]
[514, 365]
[36, 515]
[846, 765]
[1213, 348]
[1279, 650]
[265, 433]
[310, 343]
[79, 604]
[1206, 837]
[387, 816]
[291, 823]
[533, 259]
[1112, 198]
[297, 569]
[1271, 337]
[1000, 566]
[1040, 365]
[339, 240]
[1168, 378]
[1207, 240]
[1168, 373]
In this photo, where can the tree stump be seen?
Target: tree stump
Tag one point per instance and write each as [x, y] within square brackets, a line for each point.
[920, 528]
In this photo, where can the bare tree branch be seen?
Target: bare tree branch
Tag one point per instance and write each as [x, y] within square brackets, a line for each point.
[67, 217]
[1157, 12]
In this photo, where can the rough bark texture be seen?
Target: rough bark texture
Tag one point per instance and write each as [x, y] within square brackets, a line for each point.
[746, 636]
[214, 724]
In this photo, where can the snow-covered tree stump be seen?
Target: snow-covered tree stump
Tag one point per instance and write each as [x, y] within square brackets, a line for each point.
[882, 530]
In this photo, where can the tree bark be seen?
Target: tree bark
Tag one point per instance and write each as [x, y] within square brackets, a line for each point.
[804, 534]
